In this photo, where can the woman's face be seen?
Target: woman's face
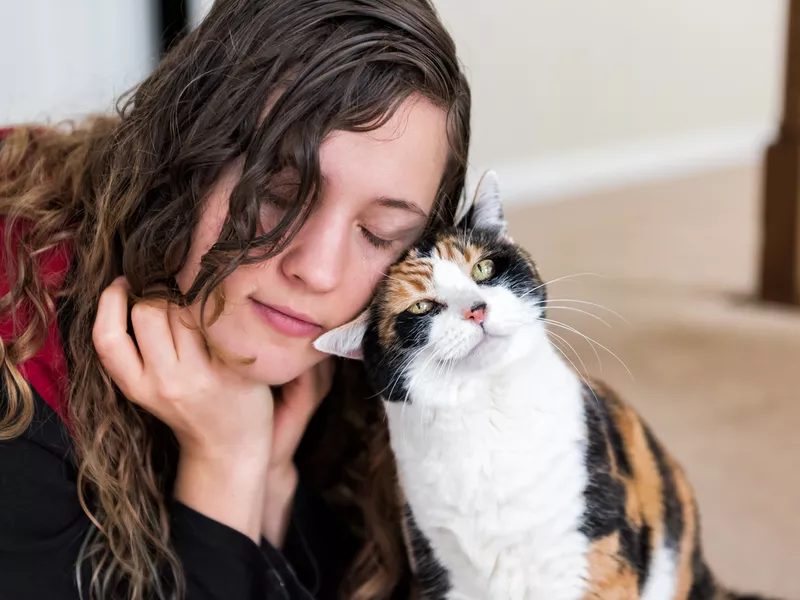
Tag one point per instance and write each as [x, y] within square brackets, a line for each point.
[379, 188]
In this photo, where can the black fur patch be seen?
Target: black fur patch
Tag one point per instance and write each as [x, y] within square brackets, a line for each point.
[425, 247]
[704, 586]
[636, 547]
[413, 330]
[605, 495]
[615, 442]
[432, 576]
[383, 368]
[673, 510]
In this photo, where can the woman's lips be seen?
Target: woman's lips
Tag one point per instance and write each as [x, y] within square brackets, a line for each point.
[286, 321]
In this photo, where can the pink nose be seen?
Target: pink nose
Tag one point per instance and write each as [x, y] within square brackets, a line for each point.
[477, 313]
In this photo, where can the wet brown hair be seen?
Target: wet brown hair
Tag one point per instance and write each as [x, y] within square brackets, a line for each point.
[125, 193]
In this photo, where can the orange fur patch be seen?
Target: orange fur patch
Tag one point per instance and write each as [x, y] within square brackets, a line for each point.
[412, 280]
[686, 548]
[610, 577]
[644, 506]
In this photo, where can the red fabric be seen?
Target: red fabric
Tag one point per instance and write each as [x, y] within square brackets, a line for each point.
[47, 370]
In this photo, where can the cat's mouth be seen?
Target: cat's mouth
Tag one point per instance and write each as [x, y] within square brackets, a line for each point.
[486, 343]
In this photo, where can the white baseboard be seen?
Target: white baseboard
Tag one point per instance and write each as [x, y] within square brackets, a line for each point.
[553, 178]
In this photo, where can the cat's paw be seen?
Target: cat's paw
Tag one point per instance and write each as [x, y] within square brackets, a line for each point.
[508, 579]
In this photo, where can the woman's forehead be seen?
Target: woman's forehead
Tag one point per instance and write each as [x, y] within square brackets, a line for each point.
[403, 159]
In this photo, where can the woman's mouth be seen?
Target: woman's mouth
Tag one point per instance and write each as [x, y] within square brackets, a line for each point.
[286, 321]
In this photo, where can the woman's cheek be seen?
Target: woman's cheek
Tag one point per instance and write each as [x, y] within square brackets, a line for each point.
[363, 287]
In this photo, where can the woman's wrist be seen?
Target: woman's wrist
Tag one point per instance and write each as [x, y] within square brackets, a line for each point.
[230, 491]
[281, 485]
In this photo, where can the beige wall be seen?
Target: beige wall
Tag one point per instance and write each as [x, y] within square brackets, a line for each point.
[565, 91]
[557, 77]
[64, 59]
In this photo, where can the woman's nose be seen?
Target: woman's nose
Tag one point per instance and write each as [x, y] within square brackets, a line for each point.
[317, 256]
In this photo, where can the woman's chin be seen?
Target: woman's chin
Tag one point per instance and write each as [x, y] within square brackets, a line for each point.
[278, 367]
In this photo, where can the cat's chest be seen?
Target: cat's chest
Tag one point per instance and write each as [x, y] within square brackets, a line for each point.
[500, 459]
[499, 487]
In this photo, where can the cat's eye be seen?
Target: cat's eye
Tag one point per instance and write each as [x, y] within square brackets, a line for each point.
[483, 270]
[420, 308]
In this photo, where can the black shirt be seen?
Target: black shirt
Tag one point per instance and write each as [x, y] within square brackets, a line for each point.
[42, 526]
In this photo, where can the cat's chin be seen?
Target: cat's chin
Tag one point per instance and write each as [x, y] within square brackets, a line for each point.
[495, 352]
[486, 352]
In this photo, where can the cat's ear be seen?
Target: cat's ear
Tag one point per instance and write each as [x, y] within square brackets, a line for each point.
[487, 209]
[346, 340]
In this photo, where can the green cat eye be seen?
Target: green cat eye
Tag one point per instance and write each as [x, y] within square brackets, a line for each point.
[483, 270]
[421, 307]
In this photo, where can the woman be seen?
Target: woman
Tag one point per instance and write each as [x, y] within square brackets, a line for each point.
[248, 197]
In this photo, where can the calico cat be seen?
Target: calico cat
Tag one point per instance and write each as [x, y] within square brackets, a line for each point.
[522, 481]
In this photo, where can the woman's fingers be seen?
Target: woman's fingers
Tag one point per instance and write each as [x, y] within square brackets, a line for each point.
[190, 344]
[154, 335]
[170, 376]
[114, 346]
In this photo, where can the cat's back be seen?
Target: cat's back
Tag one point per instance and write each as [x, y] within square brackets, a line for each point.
[641, 516]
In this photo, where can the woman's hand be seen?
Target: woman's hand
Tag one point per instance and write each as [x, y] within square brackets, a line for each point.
[223, 422]
[299, 401]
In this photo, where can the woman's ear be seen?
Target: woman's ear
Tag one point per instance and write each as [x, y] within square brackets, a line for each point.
[345, 341]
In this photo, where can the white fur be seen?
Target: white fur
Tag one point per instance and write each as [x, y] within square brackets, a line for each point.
[490, 449]
[661, 579]
[491, 442]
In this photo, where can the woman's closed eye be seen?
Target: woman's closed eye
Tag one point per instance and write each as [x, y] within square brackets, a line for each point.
[376, 241]
[391, 236]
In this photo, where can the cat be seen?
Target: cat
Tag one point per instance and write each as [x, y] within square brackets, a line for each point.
[523, 480]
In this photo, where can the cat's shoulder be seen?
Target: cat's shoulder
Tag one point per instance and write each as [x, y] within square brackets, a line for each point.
[623, 431]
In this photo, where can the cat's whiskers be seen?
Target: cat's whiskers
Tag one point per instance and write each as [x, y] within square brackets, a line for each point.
[450, 364]
[546, 284]
[402, 375]
[402, 371]
[571, 347]
[582, 375]
[583, 378]
[592, 342]
[585, 312]
[573, 330]
[405, 367]
[413, 382]
[586, 303]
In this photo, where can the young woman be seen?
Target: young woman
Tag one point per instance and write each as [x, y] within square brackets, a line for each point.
[248, 196]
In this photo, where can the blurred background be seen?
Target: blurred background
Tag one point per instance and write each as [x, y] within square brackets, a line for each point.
[629, 137]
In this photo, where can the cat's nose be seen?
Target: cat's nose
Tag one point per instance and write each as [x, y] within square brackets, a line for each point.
[476, 313]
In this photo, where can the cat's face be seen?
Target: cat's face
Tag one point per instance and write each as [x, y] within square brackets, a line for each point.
[467, 298]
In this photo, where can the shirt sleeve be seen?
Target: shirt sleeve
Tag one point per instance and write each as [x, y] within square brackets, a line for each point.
[42, 527]
[222, 563]
[319, 546]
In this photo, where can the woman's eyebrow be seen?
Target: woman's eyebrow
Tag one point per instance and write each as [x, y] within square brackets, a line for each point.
[401, 205]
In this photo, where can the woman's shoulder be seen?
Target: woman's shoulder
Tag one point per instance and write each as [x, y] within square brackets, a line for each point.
[42, 524]
[46, 371]
[39, 491]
